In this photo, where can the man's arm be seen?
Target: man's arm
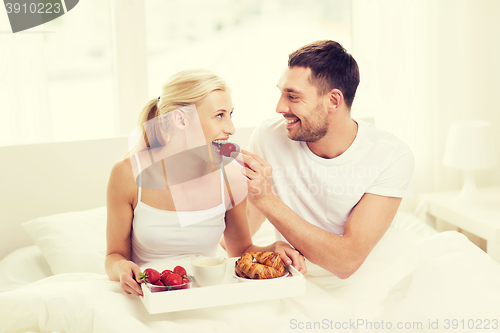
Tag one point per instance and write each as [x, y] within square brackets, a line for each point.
[341, 255]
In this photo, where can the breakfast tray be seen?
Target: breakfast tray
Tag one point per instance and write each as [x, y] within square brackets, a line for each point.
[230, 291]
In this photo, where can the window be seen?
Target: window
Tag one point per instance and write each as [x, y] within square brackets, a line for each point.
[57, 79]
[245, 42]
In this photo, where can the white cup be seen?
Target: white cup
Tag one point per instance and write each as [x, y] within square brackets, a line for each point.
[209, 271]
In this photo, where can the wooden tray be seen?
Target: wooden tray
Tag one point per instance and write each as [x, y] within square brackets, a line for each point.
[231, 291]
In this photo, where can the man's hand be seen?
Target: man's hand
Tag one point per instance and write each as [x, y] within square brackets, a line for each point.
[259, 174]
[290, 256]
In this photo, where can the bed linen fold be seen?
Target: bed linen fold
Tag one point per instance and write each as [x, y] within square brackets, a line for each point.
[406, 278]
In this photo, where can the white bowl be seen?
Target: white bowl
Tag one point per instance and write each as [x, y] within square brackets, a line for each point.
[209, 271]
[185, 285]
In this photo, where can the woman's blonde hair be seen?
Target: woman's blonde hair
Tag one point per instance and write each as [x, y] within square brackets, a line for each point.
[182, 89]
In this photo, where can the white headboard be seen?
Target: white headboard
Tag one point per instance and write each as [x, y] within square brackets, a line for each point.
[44, 179]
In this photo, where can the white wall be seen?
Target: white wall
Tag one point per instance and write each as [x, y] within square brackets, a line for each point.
[423, 65]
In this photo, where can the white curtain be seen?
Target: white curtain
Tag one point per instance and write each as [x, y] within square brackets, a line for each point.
[24, 105]
[425, 64]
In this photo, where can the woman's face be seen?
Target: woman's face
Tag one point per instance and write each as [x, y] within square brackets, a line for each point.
[215, 112]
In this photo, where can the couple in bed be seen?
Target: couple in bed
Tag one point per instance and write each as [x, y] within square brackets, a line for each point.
[329, 184]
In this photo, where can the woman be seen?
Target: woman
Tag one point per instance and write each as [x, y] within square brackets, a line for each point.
[176, 195]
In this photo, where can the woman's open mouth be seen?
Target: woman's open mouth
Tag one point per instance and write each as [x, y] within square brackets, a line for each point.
[217, 145]
[224, 147]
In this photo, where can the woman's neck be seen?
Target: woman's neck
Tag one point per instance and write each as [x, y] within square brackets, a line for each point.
[181, 166]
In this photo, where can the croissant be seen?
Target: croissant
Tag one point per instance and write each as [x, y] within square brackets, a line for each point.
[267, 265]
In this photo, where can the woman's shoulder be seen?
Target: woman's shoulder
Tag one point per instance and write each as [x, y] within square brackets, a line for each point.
[134, 164]
[122, 175]
[123, 167]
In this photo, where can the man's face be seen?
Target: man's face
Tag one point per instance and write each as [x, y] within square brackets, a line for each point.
[306, 115]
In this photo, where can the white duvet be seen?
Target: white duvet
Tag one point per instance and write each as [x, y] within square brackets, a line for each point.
[406, 280]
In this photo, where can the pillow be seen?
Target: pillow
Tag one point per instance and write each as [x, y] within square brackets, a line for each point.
[21, 267]
[71, 242]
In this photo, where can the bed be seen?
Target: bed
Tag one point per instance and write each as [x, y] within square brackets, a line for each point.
[52, 279]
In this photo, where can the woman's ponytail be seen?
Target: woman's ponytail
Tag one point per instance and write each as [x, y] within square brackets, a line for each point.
[149, 111]
[147, 137]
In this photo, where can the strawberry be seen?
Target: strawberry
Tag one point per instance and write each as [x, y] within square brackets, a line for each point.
[173, 280]
[180, 271]
[149, 275]
[228, 148]
[164, 275]
[158, 283]
[185, 281]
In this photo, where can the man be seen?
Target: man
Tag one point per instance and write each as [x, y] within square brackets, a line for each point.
[330, 185]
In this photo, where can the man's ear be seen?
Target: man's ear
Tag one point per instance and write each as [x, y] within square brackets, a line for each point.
[335, 99]
[178, 118]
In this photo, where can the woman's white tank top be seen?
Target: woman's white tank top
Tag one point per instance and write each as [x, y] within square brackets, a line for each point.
[159, 234]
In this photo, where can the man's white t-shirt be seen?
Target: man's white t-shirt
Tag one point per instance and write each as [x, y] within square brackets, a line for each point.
[324, 191]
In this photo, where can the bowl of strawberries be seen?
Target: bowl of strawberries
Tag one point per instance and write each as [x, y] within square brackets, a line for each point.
[167, 280]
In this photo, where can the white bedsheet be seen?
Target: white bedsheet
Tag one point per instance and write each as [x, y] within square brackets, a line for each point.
[407, 278]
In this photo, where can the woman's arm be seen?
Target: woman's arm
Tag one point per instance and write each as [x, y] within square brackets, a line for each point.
[119, 224]
[237, 232]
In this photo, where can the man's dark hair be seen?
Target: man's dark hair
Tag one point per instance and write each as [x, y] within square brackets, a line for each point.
[331, 67]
